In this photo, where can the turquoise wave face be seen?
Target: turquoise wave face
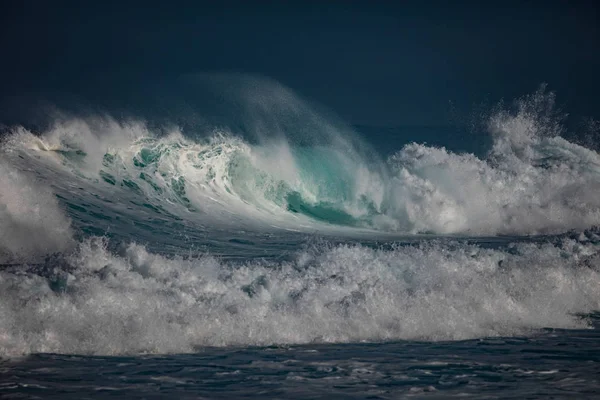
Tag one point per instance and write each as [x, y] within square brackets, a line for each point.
[317, 183]
[322, 211]
[320, 183]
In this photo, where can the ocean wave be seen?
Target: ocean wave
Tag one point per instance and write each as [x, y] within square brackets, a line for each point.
[532, 181]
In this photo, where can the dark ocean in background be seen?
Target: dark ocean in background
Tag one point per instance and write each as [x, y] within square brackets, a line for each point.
[272, 250]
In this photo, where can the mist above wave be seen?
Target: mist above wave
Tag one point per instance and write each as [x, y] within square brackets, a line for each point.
[32, 224]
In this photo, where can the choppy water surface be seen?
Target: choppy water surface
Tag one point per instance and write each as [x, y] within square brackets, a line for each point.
[549, 364]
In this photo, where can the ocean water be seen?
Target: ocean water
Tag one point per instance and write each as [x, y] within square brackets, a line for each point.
[285, 254]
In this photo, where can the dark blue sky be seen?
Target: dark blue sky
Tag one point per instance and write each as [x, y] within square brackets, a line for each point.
[378, 64]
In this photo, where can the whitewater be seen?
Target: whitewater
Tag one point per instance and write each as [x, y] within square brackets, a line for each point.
[119, 238]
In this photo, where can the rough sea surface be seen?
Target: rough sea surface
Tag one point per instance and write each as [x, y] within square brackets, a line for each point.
[286, 255]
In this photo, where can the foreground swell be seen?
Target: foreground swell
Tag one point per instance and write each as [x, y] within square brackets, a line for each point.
[97, 302]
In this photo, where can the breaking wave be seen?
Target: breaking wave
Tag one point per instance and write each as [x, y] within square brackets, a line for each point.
[532, 181]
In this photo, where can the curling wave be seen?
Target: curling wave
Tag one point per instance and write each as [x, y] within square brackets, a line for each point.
[532, 180]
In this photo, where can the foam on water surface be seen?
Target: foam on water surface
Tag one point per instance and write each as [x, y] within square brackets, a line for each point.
[97, 302]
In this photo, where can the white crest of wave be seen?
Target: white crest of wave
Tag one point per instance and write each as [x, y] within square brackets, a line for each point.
[93, 135]
[97, 302]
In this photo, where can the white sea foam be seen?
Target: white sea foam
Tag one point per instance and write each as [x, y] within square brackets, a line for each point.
[101, 303]
[533, 180]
